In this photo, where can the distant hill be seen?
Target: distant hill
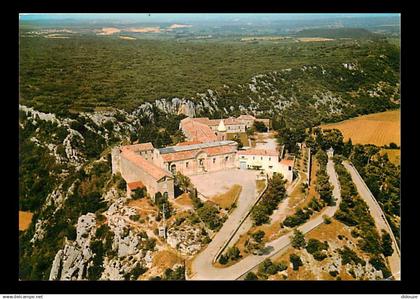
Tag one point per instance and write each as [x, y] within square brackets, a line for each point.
[337, 33]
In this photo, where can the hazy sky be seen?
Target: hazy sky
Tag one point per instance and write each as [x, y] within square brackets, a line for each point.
[156, 17]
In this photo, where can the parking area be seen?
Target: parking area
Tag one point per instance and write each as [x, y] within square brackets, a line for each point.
[210, 184]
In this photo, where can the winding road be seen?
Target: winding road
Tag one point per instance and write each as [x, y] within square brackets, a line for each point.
[377, 213]
[202, 267]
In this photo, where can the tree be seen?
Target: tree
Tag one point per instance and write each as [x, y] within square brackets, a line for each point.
[258, 236]
[238, 141]
[251, 276]
[233, 253]
[223, 259]
[296, 261]
[260, 126]
[138, 193]
[298, 239]
[393, 145]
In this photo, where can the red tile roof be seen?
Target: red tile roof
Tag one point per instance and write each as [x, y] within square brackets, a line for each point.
[246, 117]
[287, 162]
[151, 169]
[135, 185]
[197, 130]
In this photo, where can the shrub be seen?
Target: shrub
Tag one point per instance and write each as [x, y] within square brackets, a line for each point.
[223, 259]
[348, 256]
[378, 263]
[327, 220]
[298, 239]
[296, 261]
[282, 266]
[333, 273]
[233, 253]
[319, 256]
[387, 249]
[267, 267]
[137, 271]
[251, 276]
[138, 193]
[315, 245]
[134, 217]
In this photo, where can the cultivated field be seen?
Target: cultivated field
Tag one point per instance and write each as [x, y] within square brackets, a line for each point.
[378, 128]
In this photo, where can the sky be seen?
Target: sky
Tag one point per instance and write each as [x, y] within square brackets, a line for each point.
[170, 17]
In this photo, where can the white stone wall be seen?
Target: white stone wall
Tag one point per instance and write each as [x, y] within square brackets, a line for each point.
[265, 162]
[116, 159]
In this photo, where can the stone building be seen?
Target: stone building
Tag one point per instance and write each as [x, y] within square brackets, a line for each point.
[144, 165]
[197, 158]
[206, 150]
[137, 166]
[201, 128]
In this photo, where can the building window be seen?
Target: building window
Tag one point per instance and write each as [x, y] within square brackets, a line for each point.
[186, 164]
[269, 158]
[243, 157]
[261, 158]
[290, 168]
[214, 160]
[253, 157]
[271, 166]
[226, 158]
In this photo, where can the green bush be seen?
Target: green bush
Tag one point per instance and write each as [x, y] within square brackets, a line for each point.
[296, 261]
[251, 276]
[298, 239]
[315, 245]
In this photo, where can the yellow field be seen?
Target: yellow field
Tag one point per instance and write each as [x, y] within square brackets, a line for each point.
[378, 128]
[393, 155]
[25, 219]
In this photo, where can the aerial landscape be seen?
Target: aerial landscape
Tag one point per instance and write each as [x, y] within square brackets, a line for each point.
[209, 147]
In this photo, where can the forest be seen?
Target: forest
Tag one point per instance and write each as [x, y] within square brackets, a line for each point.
[87, 72]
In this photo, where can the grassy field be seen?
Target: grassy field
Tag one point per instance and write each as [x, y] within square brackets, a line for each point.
[25, 219]
[378, 128]
[226, 200]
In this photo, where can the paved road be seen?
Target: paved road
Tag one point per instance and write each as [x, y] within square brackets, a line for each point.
[245, 202]
[203, 269]
[378, 215]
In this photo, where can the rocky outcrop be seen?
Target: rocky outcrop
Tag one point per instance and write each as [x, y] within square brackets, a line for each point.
[73, 261]
[187, 239]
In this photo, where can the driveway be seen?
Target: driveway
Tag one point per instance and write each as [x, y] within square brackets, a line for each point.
[377, 214]
[212, 183]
